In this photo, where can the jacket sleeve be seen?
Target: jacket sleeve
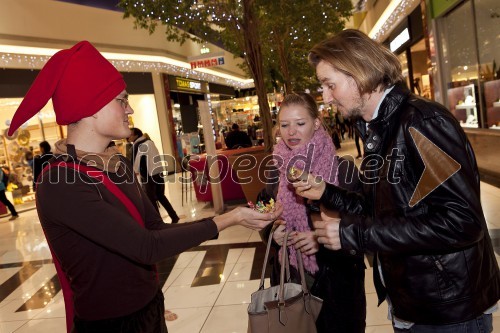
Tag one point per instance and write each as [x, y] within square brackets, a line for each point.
[345, 201]
[155, 165]
[448, 217]
[76, 207]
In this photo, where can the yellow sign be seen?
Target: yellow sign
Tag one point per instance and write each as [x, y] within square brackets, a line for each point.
[187, 84]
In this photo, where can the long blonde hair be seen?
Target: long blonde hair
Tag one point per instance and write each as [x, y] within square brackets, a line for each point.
[369, 63]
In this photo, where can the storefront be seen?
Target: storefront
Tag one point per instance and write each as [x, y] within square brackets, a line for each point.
[468, 47]
[183, 95]
[226, 110]
[244, 111]
[408, 42]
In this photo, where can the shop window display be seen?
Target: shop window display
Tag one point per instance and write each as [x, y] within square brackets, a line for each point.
[488, 34]
[244, 111]
[420, 70]
[492, 100]
[17, 151]
[473, 88]
[459, 54]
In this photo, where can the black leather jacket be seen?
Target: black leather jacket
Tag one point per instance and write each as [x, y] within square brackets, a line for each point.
[436, 255]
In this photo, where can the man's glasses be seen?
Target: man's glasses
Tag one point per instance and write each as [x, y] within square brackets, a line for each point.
[123, 102]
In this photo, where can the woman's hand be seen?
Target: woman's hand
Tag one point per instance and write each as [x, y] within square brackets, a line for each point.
[328, 232]
[247, 217]
[304, 241]
[310, 187]
[279, 232]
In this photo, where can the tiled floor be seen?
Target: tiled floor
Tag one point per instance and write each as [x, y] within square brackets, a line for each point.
[208, 287]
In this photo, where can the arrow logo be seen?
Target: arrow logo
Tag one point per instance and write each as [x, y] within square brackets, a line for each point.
[439, 166]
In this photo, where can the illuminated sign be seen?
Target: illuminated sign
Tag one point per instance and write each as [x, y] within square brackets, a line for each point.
[400, 39]
[187, 84]
[204, 50]
[210, 62]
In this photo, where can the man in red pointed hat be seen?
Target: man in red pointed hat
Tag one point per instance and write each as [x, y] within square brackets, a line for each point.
[104, 234]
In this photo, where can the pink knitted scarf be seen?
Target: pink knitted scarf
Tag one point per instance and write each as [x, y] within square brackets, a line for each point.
[321, 162]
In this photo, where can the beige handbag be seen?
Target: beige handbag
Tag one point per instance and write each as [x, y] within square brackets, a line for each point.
[287, 308]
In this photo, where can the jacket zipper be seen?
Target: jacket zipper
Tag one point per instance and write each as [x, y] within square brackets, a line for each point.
[441, 269]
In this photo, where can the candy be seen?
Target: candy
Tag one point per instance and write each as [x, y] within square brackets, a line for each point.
[294, 172]
[261, 207]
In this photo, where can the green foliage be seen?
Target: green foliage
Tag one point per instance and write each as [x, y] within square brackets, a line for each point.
[292, 28]
[273, 36]
[287, 29]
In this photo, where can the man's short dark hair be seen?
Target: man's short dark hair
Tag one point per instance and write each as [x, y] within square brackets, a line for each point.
[136, 131]
[235, 126]
[45, 146]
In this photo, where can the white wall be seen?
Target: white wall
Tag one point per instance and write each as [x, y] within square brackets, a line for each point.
[146, 118]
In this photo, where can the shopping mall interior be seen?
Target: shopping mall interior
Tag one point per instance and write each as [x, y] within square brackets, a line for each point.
[184, 93]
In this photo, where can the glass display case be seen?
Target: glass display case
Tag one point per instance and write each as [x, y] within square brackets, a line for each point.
[468, 106]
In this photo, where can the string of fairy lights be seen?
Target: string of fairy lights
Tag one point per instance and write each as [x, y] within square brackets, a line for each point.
[10, 60]
[216, 15]
[395, 18]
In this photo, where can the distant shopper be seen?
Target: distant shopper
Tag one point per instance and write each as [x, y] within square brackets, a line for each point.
[237, 139]
[28, 156]
[145, 157]
[3, 198]
[40, 161]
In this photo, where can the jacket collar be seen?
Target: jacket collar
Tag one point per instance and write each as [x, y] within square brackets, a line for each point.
[391, 103]
[379, 127]
[389, 106]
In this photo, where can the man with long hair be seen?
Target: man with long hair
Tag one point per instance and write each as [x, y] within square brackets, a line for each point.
[420, 210]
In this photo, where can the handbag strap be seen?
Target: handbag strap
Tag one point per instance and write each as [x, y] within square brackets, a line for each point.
[284, 252]
[266, 258]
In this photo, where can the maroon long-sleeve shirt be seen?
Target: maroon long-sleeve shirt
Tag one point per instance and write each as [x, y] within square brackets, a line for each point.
[105, 253]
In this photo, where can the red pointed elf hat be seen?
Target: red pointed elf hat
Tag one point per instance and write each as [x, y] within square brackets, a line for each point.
[80, 82]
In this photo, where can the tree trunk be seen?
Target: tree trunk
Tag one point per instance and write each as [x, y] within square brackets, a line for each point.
[284, 66]
[253, 56]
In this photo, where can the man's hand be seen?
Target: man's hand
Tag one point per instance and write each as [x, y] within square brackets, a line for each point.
[328, 232]
[309, 186]
[305, 242]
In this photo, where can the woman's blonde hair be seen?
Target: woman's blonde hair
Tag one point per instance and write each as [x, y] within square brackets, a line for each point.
[370, 64]
[302, 99]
